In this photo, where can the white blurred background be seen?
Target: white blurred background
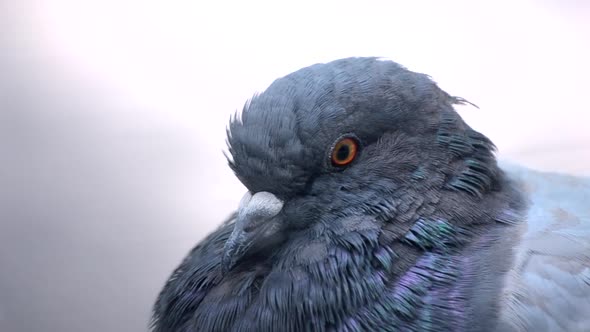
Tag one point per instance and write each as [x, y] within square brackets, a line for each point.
[113, 115]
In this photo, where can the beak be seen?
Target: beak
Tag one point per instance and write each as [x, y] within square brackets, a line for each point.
[254, 223]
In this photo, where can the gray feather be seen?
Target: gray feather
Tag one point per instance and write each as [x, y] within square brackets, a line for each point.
[548, 288]
[421, 231]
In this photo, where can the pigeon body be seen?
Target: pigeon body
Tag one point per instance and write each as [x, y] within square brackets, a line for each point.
[372, 206]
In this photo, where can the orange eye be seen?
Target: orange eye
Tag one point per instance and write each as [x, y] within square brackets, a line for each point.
[344, 152]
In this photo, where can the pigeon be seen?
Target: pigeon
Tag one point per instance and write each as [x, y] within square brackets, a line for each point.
[373, 206]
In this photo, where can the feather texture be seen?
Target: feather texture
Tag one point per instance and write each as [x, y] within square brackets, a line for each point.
[422, 231]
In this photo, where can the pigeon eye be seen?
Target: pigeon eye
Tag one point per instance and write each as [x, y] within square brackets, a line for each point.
[344, 152]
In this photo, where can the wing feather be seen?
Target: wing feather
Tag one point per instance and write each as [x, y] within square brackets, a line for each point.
[548, 288]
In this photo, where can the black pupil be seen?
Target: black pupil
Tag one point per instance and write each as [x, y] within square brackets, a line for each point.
[343, 152]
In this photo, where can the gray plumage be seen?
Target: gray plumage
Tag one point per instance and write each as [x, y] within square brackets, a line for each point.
[422, 231]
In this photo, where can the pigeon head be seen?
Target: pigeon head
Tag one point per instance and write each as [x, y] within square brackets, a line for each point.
[357, 137]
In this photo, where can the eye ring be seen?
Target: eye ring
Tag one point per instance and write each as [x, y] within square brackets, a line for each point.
[344, 151]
